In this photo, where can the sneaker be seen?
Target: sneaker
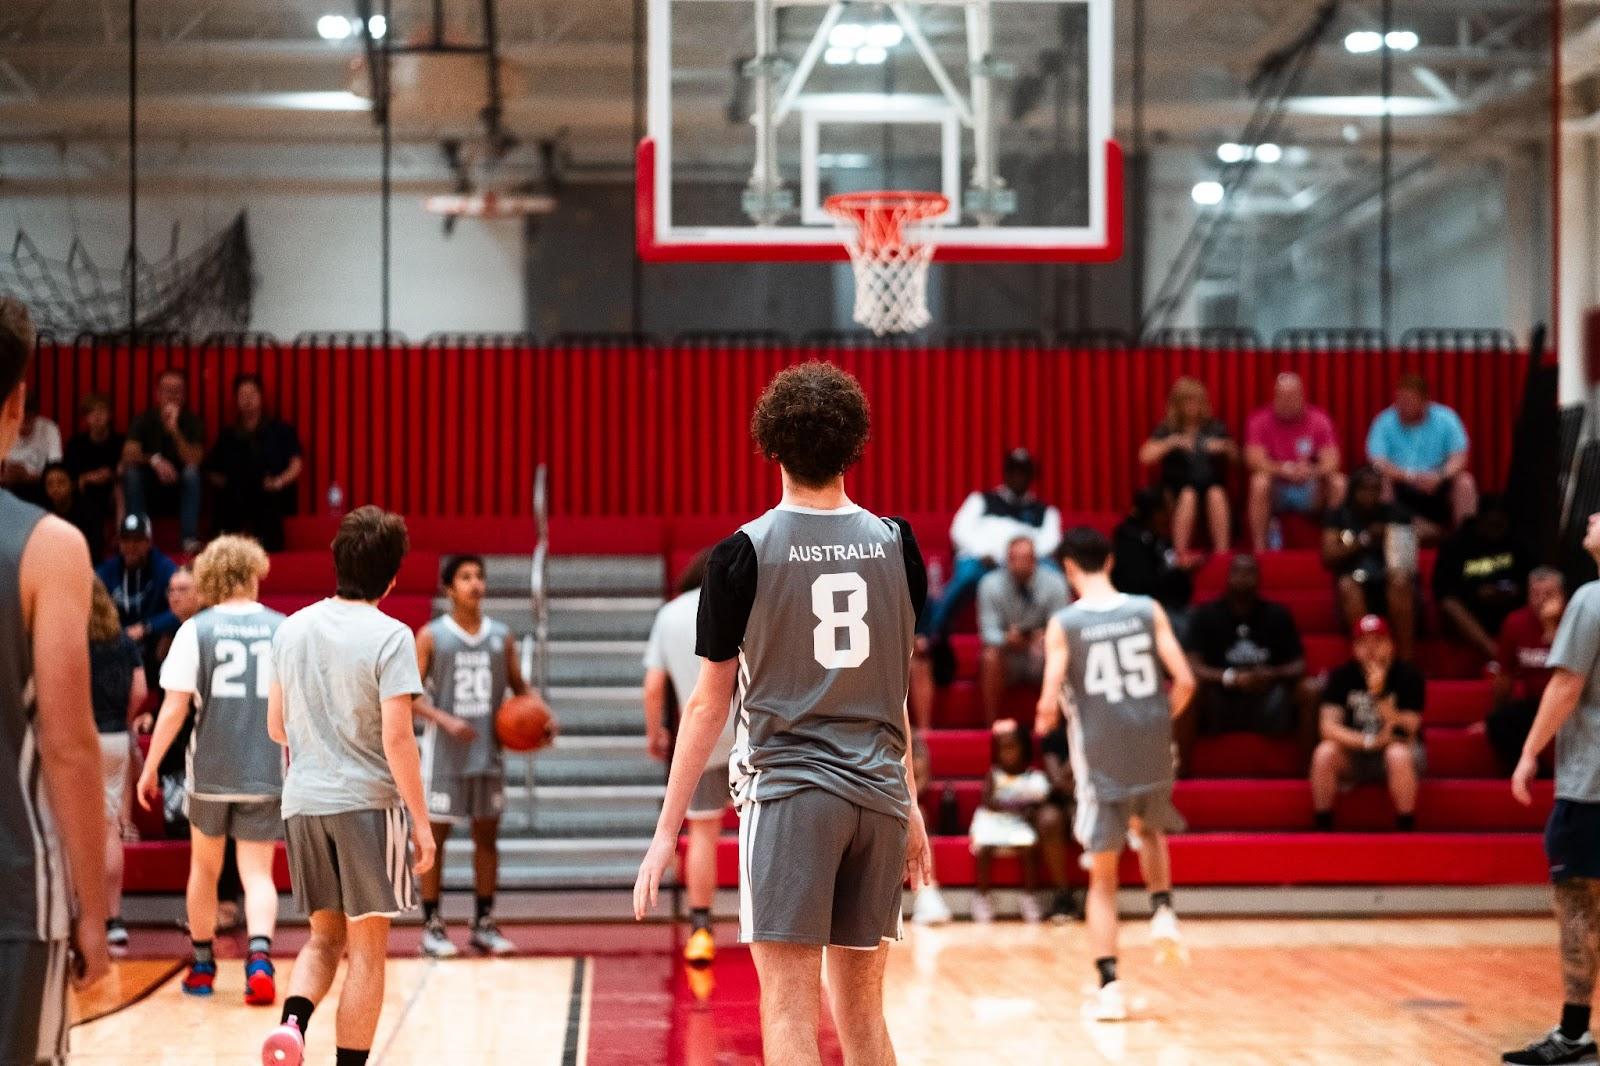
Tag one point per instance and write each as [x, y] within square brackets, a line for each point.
[260, 984]
[116, 937]
[929, 907]
[1064, 907]
[284, 1046]
[700, 949]
[702, 982]
[1166, 937]
[200, 978]
[1028, 907]
[1108, 1005]
[1554, 1048]
[436, 942]
[486, 937]
[982, 909]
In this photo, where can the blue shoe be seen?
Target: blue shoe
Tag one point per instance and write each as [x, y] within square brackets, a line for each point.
[200, 978]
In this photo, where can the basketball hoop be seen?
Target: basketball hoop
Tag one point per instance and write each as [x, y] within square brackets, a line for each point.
[889, 237]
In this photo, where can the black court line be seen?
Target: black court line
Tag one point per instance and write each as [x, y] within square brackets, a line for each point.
[569, 1051]
[149, 991]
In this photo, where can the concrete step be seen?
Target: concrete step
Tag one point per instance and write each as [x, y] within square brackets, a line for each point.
[575, 617]
[599, 663]
[607, 575]
[533, 863]
[599, 711]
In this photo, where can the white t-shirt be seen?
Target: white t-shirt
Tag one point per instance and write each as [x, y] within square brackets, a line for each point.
[38, 449]
[671, 648]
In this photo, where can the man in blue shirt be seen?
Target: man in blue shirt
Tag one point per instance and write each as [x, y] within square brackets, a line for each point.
[1420, 448]
[137, 578]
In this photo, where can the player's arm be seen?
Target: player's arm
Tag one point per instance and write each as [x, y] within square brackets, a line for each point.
[55, 581]
[175, 707]
[1048, 710]
[275, 728]
[514, 680]
[1333, 728]
[423, 708]
[405, 765]
[1170, 652]
[919, 856]
[655, 711]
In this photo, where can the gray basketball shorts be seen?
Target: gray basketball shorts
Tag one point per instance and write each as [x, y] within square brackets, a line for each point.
[466, 798]
[1102, 825]
[357, 863]
[711, 796]
[256, 821]
[33, 1002]
[815, 868]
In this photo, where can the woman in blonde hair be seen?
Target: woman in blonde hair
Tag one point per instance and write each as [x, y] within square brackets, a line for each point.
[1192, 450]
[118, 692]
[220, 665]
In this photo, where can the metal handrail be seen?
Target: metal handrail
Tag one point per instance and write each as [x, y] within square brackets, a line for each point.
[539, 591]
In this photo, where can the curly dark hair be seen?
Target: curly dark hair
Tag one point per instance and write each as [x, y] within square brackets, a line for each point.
[814, 420]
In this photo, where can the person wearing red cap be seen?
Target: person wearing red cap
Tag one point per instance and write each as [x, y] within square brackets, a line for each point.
[1371, 726]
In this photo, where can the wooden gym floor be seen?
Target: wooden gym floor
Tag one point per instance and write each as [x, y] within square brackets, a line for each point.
[1256, 991]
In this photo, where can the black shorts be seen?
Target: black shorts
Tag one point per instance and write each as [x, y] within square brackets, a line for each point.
[1221, 710]
[1572, 840]
[1433, 506]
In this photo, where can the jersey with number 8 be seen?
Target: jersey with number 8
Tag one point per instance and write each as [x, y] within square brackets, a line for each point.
[1120, 722]
[230, 756]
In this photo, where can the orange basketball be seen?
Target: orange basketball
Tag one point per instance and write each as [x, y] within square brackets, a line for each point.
[522, 723]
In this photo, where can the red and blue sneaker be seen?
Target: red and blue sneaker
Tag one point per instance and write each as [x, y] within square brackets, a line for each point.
[200, 978]
[260, 988]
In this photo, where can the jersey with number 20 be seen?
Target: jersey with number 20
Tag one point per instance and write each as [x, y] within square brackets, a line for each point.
[824, 658]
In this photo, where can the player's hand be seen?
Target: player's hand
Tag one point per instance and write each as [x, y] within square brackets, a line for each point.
[658, 743]
[137, 632]
[919, 857]
[657, 861]
[145, 723]
[1045, 713]
[166, 473]
[423, 849]
[1527, 769]
[148, 790]
[458, 729]
[92, 956]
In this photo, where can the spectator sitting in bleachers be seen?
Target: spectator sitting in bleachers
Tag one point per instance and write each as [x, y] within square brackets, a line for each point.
[137, 578]
[1015, 603]
[38, 445]
[1013, 817]
[1481, 577]
[1191, 451]
[1293, 456]
[1055, 754]
[1248, 665]
[983, 527]
[92, 455]
[161, 459]
[1144, 562]
[1371, 726]
[254, 465]
[62, 500]
[1519, 667]
[1420, 448]
[183, 603]
[117, 691]
[1359, 542]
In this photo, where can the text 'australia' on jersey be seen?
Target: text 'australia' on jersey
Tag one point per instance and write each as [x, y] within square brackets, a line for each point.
[230, 754]
[820, 607]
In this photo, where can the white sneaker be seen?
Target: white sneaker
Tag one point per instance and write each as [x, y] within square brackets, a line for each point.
[1108, 1005]
[1166, 937]
[436, 942]
[487, 938]
[929, 908]
[1028, 906]
[982, 909]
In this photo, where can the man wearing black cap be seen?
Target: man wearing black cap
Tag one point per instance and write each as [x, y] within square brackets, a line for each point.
[137, 579]
[983, 530]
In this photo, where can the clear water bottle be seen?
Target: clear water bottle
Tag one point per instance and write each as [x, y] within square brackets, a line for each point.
[1275, 535]
[335, 501]
[935, 578]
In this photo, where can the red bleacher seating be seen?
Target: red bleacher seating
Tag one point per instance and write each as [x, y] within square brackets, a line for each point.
[298, 572]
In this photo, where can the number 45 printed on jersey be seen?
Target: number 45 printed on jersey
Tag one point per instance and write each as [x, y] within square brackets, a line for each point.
[1119, 669]
[825, 642]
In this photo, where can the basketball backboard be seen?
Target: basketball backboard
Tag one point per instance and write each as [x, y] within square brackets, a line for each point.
[758, 110]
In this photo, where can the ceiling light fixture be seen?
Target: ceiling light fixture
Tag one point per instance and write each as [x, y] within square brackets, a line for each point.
[334, 27]
[1207, 193]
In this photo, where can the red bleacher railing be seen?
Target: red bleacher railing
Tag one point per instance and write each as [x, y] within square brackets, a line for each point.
[457, 425]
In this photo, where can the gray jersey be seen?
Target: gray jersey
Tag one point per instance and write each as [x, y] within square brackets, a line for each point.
[33, 882]
[1121, 722]
[1577, 649]
[231, 756]
[467, 677]
[825, 661]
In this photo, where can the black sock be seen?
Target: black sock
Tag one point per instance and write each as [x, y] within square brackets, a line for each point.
[700, 917]
[1107, 968]
[299, 1008]
[430, 909]
[261, 945]
[202, 951]
[1574, 1020]
[1160, 899]
[350, 1057]
[484, 907]
[1324, 820]
[1405, 822]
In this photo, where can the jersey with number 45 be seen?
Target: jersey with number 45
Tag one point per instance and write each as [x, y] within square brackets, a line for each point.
[824, 658]
[230, 755]
[1120, 724]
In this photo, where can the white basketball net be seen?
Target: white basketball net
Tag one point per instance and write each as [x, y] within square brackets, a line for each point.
[888, 235]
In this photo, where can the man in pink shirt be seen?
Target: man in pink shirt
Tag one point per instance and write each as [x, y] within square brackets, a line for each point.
[1293, 458]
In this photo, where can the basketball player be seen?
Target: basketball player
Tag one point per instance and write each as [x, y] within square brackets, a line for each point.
[49, 756]
[468, 663]
[669, 659]
[1569, 712]
[344, 675]
[811, 610]
[1101, 656]
[220, 665]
